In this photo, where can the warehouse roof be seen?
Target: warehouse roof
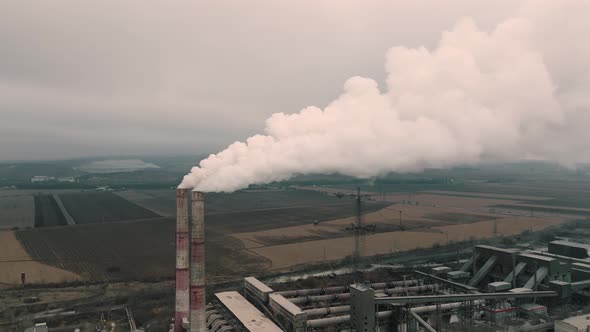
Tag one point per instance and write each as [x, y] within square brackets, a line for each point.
[246, 313]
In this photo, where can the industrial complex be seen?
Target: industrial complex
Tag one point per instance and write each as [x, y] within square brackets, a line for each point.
[486, 291]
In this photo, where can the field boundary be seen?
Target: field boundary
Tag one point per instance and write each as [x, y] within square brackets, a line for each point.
[69, 219]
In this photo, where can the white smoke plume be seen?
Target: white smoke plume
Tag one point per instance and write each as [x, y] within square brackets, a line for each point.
[519, 91]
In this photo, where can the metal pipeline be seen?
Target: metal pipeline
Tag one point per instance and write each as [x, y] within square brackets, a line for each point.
[323, 322]
[445, 306]
[346, 296]
[399, 290]
[313, 291]
[346, 308]
[341, 289]
[327, 311]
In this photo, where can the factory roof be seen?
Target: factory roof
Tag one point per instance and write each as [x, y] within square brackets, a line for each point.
[286, 304]
[581, 322]
[39, 327]
[503, 250]
[246, 313]
[571, 244]
[537, 257]
[532, 306]
[258, 284]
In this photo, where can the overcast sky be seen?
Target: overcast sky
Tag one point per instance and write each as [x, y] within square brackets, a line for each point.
[110, 77]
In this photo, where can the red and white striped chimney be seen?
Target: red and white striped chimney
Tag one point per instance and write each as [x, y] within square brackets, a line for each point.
[182, 258]
[197, 265]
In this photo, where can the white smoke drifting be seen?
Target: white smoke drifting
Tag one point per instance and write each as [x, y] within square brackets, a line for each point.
[520, 91]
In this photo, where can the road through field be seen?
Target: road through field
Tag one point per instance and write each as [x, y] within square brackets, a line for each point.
[14, 260]
[65, 212]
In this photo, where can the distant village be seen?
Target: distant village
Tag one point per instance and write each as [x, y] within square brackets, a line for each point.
[44, 178]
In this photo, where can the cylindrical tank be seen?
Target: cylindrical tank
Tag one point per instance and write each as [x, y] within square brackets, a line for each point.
[182, 258]
[197, 266]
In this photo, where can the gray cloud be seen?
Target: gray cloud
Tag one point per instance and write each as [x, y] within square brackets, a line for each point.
[102, 77]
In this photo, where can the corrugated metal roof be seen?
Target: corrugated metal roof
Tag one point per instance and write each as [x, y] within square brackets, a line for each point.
[246, 313]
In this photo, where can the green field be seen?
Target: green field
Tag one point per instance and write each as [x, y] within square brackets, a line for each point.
[101, 207]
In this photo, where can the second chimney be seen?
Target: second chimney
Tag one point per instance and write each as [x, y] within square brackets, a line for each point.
[197, 264]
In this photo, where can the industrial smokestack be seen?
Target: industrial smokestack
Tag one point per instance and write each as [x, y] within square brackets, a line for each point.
[182, 258]
[197, 264]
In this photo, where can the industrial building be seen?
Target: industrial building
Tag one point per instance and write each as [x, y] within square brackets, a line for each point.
[493, 286]
[496, 285]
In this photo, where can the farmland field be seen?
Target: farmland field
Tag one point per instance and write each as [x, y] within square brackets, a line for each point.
[250, 232]
[99, 207]
[132, 250]
[144, 249]
[17, 211]
[426, 219]
[287, 255]
[47, 212]
[256, 210]
[458, 218]
[15, 260]
[258, 220]
[165, 200]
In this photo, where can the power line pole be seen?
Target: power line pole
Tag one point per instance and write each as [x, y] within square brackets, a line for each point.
[360, 230]
[357, 231]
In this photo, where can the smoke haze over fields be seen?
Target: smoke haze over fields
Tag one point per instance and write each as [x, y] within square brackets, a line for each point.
[518, 90]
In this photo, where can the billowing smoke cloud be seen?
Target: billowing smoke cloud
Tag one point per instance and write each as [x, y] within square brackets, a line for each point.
[516, 92]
